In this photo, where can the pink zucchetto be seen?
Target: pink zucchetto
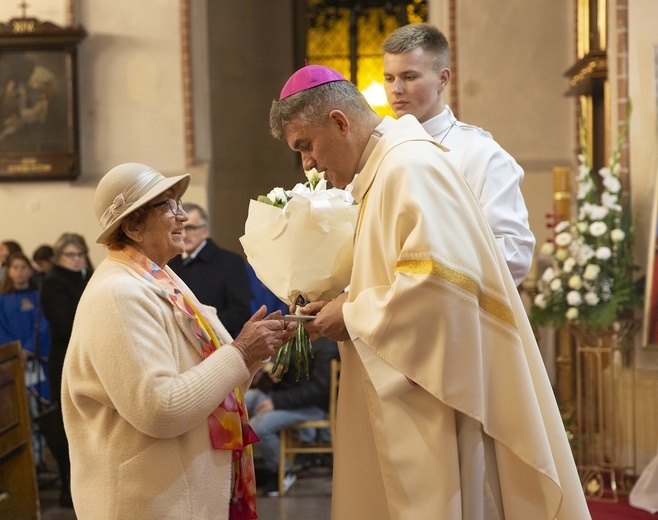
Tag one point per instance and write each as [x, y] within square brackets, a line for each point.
[308, 77]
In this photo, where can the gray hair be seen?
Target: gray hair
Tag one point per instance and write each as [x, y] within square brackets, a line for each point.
[312, 106]
[68, 239]
[423, 35]
[190, 206]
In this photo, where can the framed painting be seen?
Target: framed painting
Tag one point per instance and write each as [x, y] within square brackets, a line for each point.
[38, 101]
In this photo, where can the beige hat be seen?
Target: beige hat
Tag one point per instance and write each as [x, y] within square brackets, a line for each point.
[128, 187]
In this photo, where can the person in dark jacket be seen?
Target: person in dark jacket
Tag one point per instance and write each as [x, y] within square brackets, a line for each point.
[216, 276]
[60, 293]
[277, 402]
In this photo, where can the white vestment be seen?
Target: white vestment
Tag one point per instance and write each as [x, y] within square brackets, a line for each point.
[495, 178]
[445, 410]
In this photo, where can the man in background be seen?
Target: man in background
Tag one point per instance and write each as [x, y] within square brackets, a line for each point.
[416, 74]
[216, 276]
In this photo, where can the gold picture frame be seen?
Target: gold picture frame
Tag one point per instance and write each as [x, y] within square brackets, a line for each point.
[38, 101]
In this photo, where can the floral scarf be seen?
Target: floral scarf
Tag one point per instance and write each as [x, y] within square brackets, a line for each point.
[229, 422]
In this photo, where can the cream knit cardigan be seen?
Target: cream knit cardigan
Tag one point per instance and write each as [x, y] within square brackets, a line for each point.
[136, 395]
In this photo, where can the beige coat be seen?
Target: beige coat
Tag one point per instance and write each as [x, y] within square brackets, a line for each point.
[432, 301]
[136, 397]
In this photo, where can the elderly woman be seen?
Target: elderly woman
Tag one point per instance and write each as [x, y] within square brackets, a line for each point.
[152, 390]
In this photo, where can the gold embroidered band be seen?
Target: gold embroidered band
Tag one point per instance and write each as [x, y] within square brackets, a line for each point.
[488, 303]
[362, 209]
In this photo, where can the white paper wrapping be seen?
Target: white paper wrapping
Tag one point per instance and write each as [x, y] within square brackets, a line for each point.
[304, 249]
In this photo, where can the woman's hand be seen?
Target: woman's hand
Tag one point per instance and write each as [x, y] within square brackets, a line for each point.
[262, 336]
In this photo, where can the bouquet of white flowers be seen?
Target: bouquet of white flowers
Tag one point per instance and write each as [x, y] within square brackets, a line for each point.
[299, 243]
[590, 277]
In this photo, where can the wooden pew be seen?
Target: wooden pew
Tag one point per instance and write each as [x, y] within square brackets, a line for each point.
[19, 494]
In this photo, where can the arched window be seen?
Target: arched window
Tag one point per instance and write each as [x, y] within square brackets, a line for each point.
[347, 35]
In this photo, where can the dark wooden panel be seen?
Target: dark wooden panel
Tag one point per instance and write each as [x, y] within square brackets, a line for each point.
[19, 497]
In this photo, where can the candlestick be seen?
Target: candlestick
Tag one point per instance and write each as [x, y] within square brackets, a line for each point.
[561, 193]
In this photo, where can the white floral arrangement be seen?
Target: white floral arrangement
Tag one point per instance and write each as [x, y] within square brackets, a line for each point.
[590, 277]
[315, 187]
[300, 244]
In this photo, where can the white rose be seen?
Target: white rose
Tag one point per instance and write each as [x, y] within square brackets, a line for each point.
[591, 298]
[572, 313]
[585, 254]
[612, 184]
[597, 212]
[597, 228]
[583, 211]
[547, 249]
[562, 226]
[548, 274]
[540, 301]
[591, 272]
[610, 201]
[563, 239]
[556, 285]
[584, 188]
[561, 254]
[574, 299]
[569, 264]
[575, 282]
[617, 235]
[603, 253]
[277, 194]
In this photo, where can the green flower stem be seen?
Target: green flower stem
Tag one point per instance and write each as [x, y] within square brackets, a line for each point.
[301, 344]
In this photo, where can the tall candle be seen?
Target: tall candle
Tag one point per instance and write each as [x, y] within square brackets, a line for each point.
[561, 193]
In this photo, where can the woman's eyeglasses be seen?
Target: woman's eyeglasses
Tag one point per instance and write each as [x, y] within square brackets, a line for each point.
[175, 205]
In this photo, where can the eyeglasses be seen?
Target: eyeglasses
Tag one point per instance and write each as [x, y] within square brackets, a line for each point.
[71, 256]
[192, 227]
[175, 205]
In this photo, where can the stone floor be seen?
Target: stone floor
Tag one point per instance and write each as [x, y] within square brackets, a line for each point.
[309, 497]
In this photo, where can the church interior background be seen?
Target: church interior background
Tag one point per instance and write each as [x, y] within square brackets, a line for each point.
[186, 86]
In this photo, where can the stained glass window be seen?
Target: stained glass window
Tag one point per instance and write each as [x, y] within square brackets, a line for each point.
[347, 36]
